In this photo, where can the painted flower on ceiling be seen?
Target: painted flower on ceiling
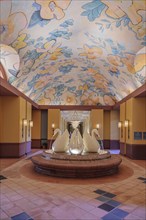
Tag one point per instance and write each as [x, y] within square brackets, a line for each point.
[90, 98]
[20, 43]
[91, 52]
[68, 98]
[49, 96]
[53, 8]
[115, 60]
[128, 61]
[108, 100]
[10, 24]
[117, 9]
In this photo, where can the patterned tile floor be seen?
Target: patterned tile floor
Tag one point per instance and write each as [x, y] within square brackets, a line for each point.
[26, 195]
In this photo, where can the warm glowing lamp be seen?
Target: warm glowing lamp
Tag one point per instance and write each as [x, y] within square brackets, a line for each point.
[31, 124]
[97, 126]
[119, 124]
[126, 123]
[53, 126]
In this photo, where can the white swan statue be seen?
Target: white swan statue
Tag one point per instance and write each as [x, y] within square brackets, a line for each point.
[76, 143]
[61, 142]
[95, 134]
[91, 145]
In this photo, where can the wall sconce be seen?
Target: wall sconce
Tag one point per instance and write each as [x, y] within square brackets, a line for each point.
[24, 124]
[53, 126]
[121, 127]
[119, 124]
[30, 126]
[97, 126]
[126, 125]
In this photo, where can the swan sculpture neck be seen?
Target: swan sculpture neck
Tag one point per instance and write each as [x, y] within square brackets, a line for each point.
[57, 131]
[61, 142]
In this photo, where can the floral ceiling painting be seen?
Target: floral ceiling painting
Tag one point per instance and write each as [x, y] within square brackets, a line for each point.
[75, 52]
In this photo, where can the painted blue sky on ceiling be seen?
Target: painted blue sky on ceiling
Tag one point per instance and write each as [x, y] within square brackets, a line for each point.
[71, 52]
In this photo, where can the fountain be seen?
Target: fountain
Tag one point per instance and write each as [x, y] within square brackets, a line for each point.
[76, 158]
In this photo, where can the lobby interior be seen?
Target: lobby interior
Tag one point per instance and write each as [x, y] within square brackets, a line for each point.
[47, 79]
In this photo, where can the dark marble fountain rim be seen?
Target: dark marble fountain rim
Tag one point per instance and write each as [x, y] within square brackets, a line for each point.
[82, 157]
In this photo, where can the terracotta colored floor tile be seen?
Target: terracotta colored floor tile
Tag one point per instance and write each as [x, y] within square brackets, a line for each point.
[44, 197]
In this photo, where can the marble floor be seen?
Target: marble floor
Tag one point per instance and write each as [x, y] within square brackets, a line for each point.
[27, 195]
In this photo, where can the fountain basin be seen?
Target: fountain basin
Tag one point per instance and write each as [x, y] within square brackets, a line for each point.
[76, 166]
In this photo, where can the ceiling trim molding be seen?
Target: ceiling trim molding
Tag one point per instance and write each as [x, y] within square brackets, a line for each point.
[136, 93]
[2, 70]
[4, 84]
[74, 107]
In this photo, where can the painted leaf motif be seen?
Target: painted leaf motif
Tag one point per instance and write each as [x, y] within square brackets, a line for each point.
[93, 9]
[118, 23]
[36, 19]
[92, 5]
[126, 21]
[13, 72]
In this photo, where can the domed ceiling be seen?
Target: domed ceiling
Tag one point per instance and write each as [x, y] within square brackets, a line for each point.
[74, 52]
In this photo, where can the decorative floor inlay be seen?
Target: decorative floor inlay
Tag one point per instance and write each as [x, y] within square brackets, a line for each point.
[21, 216]
[2, 177]
[117, 197]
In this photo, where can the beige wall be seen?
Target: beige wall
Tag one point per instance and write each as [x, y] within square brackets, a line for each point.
[122, 119]
[106, 125]
[54, 116]
[114, 119]
[12, 112]
[29, 118]
[96, 117]
[129, 117]
[36, 118]
[23, 131]
[139, 118]
[133, 110]
[10, 130]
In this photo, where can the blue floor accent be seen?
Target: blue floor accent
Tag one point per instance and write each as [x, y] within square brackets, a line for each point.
[102, 199]
[21, 216]
[141, 178]
[120, 213]
[2, 177]
[106, 207]
[113, 203]
[110, 216]
[110, 195]
[99, 191]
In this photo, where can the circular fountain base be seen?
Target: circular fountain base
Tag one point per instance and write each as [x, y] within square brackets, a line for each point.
[76, 166]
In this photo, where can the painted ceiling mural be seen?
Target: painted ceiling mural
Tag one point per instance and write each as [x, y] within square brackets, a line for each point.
[74, 52]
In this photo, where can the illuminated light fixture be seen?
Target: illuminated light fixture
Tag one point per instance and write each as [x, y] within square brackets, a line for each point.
[31, 124]
[97, 126]
[126, 123]
[53, 126]
[119, 124]
[121, 128]
[24, 124]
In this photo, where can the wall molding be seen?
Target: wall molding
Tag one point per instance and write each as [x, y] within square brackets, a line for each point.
[14, 149]
[136, 151]
[111, 144]
[122, 148]
[36, 143]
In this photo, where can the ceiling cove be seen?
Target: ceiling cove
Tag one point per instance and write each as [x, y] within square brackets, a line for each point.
[74, 52]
